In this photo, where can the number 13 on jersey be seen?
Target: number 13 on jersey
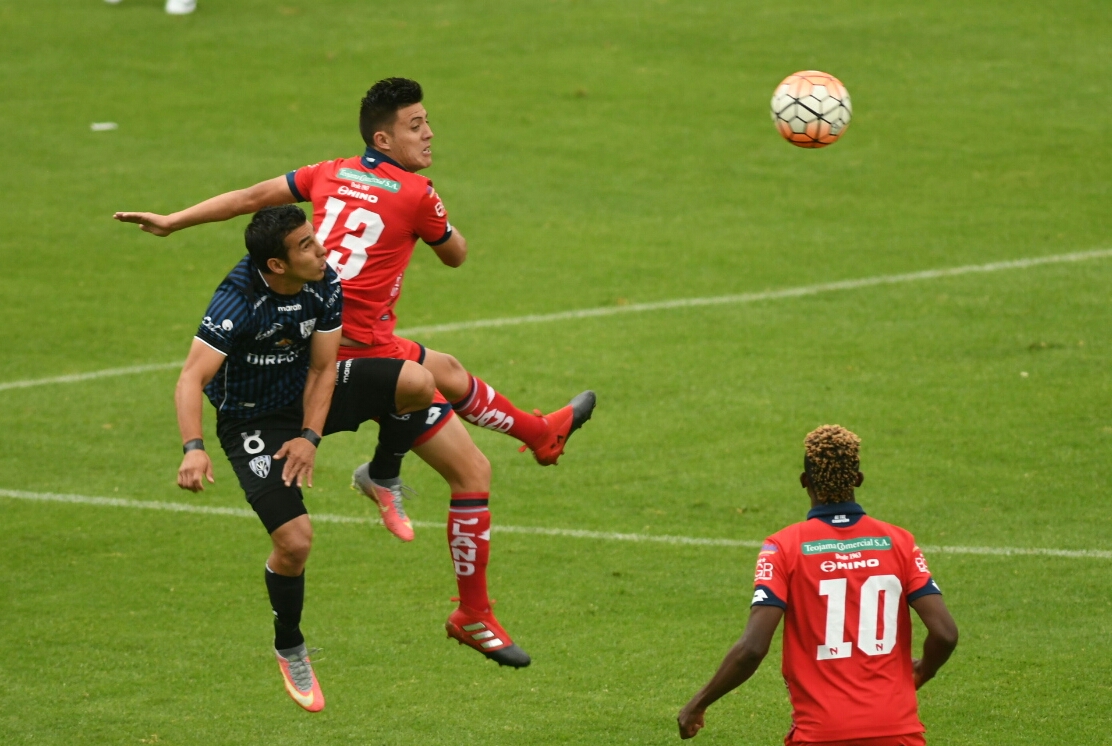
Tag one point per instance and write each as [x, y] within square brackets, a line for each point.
[372, 225]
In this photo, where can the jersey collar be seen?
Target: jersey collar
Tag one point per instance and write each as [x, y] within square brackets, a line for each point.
[837, 514]
[372, 159]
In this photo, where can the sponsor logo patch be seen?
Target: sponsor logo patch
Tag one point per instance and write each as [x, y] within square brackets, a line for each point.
[358, 195]
[764, 570]
[369, 179]
[829, 566]
[291, 307]
[261, 466]
[769, 548]
[269, 332]
[307, 328]
[219, 329]
[279, 359]
[862, 543]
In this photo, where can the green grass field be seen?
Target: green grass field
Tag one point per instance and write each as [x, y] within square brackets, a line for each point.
[596, 155]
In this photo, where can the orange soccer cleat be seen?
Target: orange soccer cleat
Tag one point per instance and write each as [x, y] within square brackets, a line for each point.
[388, 498]
[561, 424]
[301, 682]
[482, 632]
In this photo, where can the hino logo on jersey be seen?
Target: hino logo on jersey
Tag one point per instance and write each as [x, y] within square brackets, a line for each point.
[829, 566]
[358, 195]
[280, 359]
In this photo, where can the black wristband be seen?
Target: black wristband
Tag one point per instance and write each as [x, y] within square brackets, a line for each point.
[311, 436]
[193, 445]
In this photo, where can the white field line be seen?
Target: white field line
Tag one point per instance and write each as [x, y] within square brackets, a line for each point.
[89, 376]
[586, 313]
[116, 502]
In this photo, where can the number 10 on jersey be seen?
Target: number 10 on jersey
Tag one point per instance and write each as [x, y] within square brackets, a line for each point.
[869, 620]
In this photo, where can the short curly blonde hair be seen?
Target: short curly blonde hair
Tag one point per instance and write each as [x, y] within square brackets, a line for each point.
[832, 462]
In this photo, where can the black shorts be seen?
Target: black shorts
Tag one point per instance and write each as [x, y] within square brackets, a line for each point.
[365, 390]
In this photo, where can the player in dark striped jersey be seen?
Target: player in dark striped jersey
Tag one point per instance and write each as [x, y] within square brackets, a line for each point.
[369, 211]
[265, 355]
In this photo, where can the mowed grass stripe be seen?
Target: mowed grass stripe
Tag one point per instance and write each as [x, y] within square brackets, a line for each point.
[117, 502]
[586, 313]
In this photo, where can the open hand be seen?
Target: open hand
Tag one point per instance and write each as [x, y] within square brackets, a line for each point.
[299, 454]
[150, 222]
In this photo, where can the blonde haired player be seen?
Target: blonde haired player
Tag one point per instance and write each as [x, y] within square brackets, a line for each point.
[842, 582]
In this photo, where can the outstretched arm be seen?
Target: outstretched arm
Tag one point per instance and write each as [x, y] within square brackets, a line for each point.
[200, 366]
[942, 636]
[739, 664]
[225, 206]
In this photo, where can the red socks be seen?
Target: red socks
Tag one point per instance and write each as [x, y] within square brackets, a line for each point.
[485, 407]
[469, 542]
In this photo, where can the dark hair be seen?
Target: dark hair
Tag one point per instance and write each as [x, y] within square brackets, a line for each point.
[832, 461]
[380, 106]
[265, 235]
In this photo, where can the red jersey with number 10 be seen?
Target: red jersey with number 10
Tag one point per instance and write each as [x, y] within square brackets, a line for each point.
[368, 213]
[845, 581]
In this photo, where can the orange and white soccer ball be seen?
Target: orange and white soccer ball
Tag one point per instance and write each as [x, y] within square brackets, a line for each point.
[811, 109]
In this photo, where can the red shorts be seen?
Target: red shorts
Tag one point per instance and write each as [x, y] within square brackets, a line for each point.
[397, 348]
[908, 739]
[405, 349]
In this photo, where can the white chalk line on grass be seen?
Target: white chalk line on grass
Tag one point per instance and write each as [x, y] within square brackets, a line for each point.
[587, 313]
[116, 502]
[77, 377]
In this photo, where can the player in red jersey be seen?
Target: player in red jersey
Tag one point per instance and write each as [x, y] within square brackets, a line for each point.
[842, 581]
[369, 211]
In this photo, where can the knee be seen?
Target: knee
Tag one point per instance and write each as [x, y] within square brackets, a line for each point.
[415, 388]
[454, 366]
[454, 375]
[477, 474]
[293, 549]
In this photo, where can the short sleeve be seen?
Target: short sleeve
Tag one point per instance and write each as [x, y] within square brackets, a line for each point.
[431, 224]
[329, 319]
[770, 582]
[919, 581]
[224, 320]
[301, 181]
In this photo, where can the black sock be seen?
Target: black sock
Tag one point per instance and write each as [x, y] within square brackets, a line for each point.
[395, 438]
[287, 597]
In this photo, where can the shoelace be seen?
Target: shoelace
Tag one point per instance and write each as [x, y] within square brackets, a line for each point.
[401, 491]
[301, 670]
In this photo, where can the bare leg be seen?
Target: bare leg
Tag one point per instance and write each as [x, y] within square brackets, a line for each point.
[456, 458]
[291, 541]
[415, 388]
[451, 377]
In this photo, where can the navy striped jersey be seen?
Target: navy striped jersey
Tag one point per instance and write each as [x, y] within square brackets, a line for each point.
[264, 338]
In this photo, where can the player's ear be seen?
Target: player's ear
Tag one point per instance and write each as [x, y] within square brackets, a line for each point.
[804, 480]
[276, 266]
[381, 141]
[860, 478]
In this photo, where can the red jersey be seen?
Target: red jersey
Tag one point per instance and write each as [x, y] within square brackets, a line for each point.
[368, 213]
[845, 580]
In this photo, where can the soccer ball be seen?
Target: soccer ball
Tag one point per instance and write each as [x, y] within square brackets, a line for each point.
[811, 109]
